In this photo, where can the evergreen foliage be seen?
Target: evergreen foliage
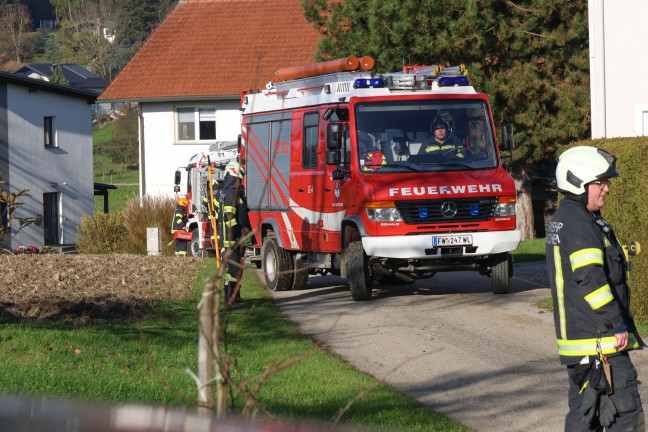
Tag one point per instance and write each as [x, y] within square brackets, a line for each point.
[530, 56]
[58, 77]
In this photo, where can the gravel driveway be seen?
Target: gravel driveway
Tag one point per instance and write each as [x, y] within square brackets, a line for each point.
[488, 361]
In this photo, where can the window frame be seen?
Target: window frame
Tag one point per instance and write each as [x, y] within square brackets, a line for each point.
[309, 148]
[49, 132]
[196, 123]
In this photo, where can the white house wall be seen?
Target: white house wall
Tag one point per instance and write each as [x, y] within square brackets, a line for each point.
[618, 64]
[163, 155]
[66, 169]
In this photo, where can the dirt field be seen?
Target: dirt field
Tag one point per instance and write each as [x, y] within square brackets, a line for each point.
[87, 288]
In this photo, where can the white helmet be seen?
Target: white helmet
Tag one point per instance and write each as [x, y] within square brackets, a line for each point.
[235, 169]
[581, 165]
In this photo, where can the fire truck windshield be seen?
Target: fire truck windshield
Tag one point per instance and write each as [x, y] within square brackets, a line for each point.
[418, 136]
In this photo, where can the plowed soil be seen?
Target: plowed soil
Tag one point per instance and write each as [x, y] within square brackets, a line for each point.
[88, 288]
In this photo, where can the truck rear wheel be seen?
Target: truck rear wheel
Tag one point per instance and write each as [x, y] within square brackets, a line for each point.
[277, 265]
[193, 246]
[357, 272]
[500, 273]
[300, 277]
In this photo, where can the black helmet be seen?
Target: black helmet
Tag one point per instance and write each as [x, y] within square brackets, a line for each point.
[440, 122]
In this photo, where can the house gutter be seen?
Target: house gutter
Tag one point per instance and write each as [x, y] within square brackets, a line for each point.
[172, 98]
[142, 154]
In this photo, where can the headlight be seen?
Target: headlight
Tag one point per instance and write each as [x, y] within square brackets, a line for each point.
[386, 214]
[505, 209]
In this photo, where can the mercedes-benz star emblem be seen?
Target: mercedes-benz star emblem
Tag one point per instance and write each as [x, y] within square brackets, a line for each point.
[448, 209]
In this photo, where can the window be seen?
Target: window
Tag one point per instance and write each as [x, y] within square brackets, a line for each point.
[309, 150]
[49, 133]
[196, 124]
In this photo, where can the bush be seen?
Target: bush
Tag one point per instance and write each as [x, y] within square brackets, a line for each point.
[101, 234]
[626, 207]
[152, 211]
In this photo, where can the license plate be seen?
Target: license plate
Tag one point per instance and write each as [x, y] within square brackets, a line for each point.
[452, 240]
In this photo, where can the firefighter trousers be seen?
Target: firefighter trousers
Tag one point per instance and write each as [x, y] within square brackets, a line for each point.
[626, 399]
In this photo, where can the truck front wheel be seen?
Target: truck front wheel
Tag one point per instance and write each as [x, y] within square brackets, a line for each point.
[500, 273]
[277, 265]
[357, 272]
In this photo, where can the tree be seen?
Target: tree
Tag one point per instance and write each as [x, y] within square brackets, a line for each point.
[530, 57]
[58, 77]
[137, 21]
[15, 19]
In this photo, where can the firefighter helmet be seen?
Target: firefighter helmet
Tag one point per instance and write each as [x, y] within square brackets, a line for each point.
[235, 169]
[581, 165]
[183, 201]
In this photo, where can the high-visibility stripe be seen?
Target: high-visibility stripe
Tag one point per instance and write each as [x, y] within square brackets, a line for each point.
[600, 297]
[585, 257]
[583, 347]
[606, 241]
[560, 293]
[229, 209]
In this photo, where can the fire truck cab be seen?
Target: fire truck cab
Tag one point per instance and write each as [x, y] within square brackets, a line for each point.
[344, 176]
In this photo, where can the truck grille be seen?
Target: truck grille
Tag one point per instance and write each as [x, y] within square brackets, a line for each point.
[456, 210]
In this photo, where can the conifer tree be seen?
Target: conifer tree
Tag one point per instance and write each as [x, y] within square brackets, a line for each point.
[58, 77]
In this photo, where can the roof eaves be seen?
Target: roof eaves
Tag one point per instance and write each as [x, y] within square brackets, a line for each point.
[173, 98]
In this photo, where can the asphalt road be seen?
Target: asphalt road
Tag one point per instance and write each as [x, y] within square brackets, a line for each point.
[487, 361]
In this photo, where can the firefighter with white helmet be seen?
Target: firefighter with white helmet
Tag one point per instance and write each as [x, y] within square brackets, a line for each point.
[591, 298]
[180, 224]
[233, 227]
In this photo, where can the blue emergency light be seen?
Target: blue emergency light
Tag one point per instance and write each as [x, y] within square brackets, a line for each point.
[368, 83]
[450, 81]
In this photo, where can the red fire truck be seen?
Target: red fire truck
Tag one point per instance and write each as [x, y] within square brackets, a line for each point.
[201, 168]
[343, 177]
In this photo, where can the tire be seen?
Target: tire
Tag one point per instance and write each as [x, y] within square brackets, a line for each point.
[277, 265]
[500, 273]
[193, 246]
[357, 272]
[300, 277]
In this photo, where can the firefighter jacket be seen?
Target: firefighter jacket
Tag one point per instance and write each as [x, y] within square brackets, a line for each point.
[233, 220]
[179, 219]
[588, 276]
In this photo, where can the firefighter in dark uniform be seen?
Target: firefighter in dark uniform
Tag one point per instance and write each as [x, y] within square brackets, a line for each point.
[180, 224]
[233, 226]
[587, 271]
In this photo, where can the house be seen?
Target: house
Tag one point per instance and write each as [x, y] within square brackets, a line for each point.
[77, 76]
[46, 147]
[619, 88]
[188, 76]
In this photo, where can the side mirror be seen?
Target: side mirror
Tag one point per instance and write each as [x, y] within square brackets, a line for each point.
[337, 175]
[334, 136]
[176, 180]
[332, 157]
[507, 137]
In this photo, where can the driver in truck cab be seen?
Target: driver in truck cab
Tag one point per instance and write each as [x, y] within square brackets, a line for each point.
[442, 141]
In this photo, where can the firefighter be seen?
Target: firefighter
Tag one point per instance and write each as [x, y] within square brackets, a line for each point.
[233, 226]
[591, 298]
[371, 157]
[180, 224]
[442, 141]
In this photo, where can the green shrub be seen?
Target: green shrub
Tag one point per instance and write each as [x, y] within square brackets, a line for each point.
[101, 234]
[626, 207]
[151, 211]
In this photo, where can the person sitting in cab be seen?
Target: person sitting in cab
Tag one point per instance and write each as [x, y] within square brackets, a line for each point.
[371, 157]
[442, 142]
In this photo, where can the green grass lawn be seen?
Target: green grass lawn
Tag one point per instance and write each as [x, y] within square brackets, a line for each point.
[530, 250]
[145, 362]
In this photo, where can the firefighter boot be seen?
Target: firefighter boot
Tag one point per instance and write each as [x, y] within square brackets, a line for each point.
[230, 288]
[237, 293]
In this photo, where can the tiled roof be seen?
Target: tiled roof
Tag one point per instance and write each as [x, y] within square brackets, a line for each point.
[211, 48]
